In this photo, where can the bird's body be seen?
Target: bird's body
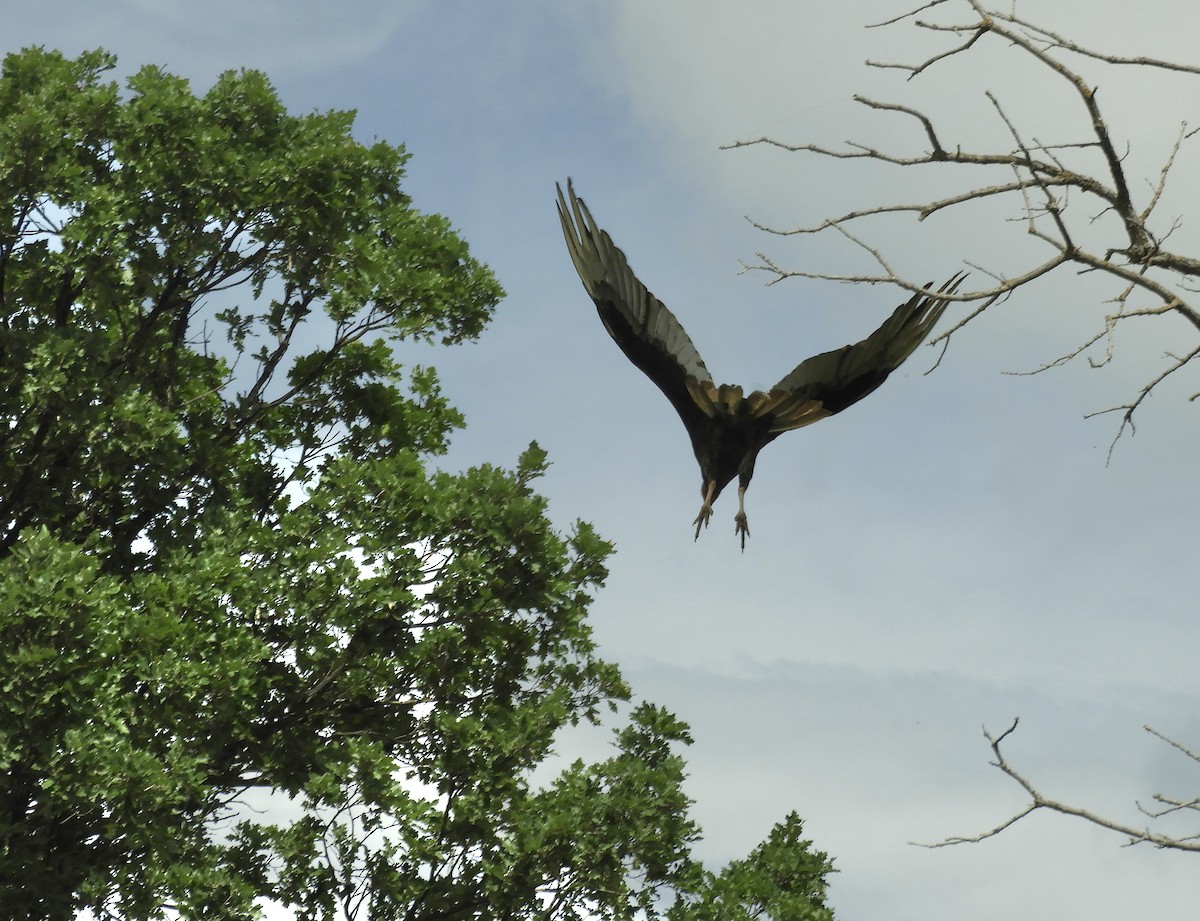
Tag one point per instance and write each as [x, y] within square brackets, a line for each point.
[727, 427]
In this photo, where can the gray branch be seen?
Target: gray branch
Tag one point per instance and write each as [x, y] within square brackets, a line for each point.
[1038, 800]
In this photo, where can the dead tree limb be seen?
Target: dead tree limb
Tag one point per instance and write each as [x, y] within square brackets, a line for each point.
[1038, 800]
[1059, 202]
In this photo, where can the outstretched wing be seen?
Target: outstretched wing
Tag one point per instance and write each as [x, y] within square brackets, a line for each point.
[844, 376]
[646, 331]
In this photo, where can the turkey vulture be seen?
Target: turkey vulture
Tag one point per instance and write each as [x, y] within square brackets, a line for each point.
[727, 428]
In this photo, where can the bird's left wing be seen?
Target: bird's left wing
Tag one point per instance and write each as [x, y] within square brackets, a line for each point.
[646, 331]
[844, 376]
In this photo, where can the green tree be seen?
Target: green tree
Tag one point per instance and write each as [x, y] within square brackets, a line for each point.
[225, 565]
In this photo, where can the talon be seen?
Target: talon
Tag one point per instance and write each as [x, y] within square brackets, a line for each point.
[742, 527]
[706, 509]
[741, 524]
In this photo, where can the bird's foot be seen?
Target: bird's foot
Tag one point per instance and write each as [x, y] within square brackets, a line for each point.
[702, 519]
[741, 526]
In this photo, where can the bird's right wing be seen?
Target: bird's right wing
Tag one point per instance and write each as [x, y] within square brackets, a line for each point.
[842, 377]
[646, 331]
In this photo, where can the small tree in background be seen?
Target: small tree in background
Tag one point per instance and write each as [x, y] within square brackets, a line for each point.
[1071, 193]
[225, 566]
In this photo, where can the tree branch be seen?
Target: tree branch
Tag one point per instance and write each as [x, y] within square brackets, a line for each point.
[1038, 800]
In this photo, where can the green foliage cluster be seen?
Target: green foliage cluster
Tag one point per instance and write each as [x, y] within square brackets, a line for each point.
[227, 569]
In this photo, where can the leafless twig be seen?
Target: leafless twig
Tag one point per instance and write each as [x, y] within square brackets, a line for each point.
[1038, 800]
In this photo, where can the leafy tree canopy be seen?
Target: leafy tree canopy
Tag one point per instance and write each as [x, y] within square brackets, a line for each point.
[225, 565]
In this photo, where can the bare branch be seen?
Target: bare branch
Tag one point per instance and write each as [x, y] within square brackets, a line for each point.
[1162, 175]
[1175, 745]
[938, 152]
[909, 15]
[1039, 800]
[977, 32]
[1056, 40]
[1138, 238]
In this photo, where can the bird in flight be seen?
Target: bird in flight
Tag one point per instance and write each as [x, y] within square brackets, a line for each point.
[728, 428]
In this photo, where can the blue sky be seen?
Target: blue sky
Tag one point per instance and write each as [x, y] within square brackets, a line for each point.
[950, 553]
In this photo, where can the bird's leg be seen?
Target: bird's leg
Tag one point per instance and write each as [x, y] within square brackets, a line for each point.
[741, 525]
[706, 509]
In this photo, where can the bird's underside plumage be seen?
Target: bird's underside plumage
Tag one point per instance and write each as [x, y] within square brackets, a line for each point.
[728, 427]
